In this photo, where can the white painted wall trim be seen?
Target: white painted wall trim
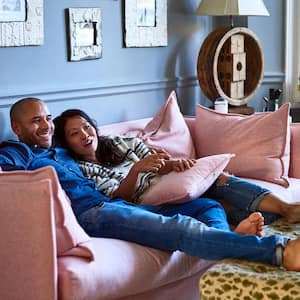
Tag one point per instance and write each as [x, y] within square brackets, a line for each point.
[292, 49]
[96, 92]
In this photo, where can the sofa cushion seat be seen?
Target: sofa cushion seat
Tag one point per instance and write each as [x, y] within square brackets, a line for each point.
[239, 279]
[122, 269]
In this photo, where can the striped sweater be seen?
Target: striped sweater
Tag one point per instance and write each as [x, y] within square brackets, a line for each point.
[109, 179]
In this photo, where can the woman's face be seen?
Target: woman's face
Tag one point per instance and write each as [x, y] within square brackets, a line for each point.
[81, 137]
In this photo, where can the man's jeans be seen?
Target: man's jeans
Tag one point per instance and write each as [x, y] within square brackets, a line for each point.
[242, 197]
[198, 228]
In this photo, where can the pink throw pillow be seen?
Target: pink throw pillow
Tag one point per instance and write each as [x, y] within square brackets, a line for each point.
[184, 186]
[295, 150]
[261, 142]
[71, 239]
[169, 131]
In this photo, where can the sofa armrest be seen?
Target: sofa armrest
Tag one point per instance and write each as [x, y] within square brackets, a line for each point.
[295, 146]
[28, 260]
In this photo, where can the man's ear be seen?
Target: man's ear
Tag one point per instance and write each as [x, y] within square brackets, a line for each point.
[15, 127]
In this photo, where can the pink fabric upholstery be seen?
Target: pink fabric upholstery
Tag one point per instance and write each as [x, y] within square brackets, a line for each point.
[122, 269]
[169, 131]
[295, 151]
[71, 238]
[124, 128]
[261, 142]
[119, 271]
[27, 250]
[184, 186]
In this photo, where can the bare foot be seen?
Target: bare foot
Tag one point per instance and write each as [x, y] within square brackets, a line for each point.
[291, 255]
[251, 225]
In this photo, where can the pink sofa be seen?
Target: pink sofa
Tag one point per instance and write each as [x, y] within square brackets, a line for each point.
[120, 270]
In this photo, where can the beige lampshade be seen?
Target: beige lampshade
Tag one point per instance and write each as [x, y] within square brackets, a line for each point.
[232, 8]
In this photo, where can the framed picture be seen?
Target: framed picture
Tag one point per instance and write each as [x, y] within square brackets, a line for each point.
[146, 23]
[85, 38]
[12, 10]
[145, 13]
[21, 23]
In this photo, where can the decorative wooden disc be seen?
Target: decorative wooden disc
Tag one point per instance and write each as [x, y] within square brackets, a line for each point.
[230, 65]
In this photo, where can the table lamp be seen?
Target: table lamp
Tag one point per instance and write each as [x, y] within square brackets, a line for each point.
[231, 62]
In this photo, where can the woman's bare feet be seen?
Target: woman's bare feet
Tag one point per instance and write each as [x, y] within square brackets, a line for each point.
[291, 255]
[251, 225]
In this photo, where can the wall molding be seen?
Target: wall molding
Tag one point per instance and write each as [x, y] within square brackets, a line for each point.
[90, 92]
[273, 77]
[292, 46]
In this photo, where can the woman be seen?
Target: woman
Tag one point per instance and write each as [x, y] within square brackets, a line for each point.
[126, 167]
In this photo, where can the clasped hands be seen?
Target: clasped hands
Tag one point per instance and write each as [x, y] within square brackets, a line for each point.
[160, 161]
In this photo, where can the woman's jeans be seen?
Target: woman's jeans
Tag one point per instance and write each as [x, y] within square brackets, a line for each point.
[243, 198]
[198, 228]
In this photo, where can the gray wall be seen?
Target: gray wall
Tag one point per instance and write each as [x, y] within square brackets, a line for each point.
[271, 33]
[126, 83]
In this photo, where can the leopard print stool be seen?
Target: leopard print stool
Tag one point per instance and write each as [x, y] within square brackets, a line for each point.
[242, 280]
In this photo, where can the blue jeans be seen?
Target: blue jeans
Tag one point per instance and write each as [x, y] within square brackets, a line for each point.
[243, 198]
[198, 228]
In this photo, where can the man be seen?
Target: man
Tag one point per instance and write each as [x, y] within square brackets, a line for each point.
[190, 227]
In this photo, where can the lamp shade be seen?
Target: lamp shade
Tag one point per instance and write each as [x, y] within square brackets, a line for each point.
[232, 8]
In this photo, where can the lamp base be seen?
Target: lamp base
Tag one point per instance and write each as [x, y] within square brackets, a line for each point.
[242, 109]
[230, 65]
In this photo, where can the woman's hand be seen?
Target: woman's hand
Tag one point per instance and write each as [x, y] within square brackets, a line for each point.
[166, 154]
[178, 165]
[152, 163]
[181, 165]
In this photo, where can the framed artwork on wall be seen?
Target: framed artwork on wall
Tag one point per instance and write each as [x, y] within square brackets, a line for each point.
[21, 23]
[12, 10]
[84, 33]
[146, 23]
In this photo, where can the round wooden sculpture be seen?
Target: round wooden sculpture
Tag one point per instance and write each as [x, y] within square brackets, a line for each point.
[230, 65]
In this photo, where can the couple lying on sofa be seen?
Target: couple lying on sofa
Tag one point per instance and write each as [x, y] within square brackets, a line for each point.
[197, 227]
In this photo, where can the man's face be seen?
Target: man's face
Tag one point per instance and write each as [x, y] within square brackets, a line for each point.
[34, 126]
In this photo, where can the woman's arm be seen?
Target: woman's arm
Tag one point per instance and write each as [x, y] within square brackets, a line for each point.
[152, 163]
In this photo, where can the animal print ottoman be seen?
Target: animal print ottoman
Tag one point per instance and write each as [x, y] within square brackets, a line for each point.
[242, 280]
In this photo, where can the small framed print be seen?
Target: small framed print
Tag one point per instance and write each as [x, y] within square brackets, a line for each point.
[145, 13]
[21, 23]
[146, 23]
[85, 39]
[12, 10]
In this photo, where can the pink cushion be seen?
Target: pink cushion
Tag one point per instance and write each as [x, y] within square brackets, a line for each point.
[295, 151]
[261, 142]
[71, 239]
[187, 185]
[168, 130]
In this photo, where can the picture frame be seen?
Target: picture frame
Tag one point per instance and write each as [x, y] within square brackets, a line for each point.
[15, 30]
[12, 10]
[84, 33]
[145, 23]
